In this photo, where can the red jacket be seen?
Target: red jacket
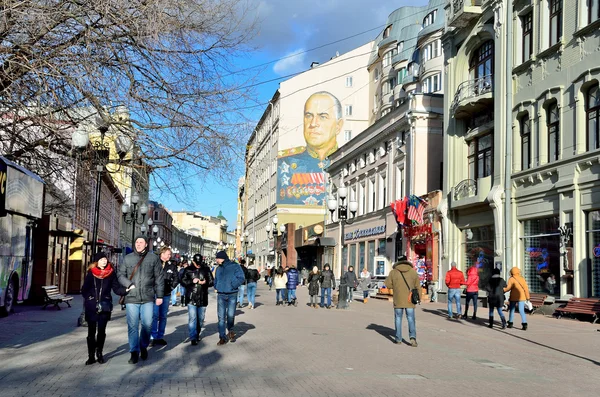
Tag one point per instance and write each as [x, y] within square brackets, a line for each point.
[454, 278]
[472, 279]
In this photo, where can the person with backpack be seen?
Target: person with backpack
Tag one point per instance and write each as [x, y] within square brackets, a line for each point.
[519, 293]
[472, 291]
[495, 298]
[403, 280]
[252, 276]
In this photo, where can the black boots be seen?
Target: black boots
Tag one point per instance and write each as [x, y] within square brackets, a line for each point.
[524, 326]
[491, 322]
[134, 358]
[99, 347]
[510, 324]
[91, 345]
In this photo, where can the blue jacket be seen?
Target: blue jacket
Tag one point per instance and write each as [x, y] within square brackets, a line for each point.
[228, 277]
[292, 276]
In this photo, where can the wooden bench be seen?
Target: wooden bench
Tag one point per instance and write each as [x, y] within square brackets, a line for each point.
[53, 297]
[537, 301]
[589, 306]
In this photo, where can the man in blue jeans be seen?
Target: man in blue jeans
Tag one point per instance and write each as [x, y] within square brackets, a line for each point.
[327, 283]
[159, 318]
[197, 279]
[242, 289]
[454, 279]
[228, 278]
[142, 274]
[402, 279]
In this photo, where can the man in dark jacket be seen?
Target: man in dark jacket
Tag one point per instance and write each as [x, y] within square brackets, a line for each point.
[159, 318]
[228, 278]
[402, 279]
[197, 279]
[327, 283]
[142, 274]
[293, 277]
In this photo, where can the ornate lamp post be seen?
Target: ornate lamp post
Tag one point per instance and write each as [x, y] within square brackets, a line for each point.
[342, 212]
[133, 215]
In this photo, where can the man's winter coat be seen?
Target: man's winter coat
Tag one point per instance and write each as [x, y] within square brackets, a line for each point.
[228, 277]
[472, 279]
[349, 279]
[171, 276]
[292, 278]
[401, 291]
[454, 278]
[94, 288]
[197, 294]
[313, 283]
[327, 279]
[495, 291]
[149, 278]
[519, 291]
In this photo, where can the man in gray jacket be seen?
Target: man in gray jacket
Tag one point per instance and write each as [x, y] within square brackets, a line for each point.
[142, 274]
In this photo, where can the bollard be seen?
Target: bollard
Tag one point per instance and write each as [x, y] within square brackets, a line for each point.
[342, 297]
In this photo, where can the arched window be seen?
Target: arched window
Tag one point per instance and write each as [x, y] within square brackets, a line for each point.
[552, 123]
[482, 61]
[593, 117]
[525, 123]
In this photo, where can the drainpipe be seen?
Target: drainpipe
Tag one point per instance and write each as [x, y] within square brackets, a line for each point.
[269, 177]
[509, 142]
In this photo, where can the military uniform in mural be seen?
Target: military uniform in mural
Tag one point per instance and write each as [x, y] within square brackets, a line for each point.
[301, 177]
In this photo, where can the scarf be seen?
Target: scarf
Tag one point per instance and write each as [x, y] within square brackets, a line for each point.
[102, 273]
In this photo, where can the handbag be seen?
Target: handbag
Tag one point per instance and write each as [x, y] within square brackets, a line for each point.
[413, 294]
[102, 306]
[528, 304]
[122, 298]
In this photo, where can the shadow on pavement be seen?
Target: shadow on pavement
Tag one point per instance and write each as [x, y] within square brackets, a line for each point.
[386, 332]
[443, 313]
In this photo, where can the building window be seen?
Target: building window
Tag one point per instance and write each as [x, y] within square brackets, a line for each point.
[593, 246]
[372, 194]
[382, 191]
[593, 10]
[399, 183]
[430, 51]
[432, 83]
[593, 118]
[482, 62]
[400, 47]
[375, 102]
[348, 111]
[155, 215]
[553, 132]
[541, 242]
[430, 18]
[478, 250]
[387, 59]
[481, 156]
[525, 123]
[348, 81]
[362, 194]
[401, 74]
[347, 135]
[555, 21]
[527, 28]
[376, 74]
[386, 111]
[387, 31]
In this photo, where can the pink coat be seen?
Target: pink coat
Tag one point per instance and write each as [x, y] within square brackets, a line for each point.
[472, 279]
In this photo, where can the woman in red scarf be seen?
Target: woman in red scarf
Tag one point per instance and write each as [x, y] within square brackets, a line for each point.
[100, 279]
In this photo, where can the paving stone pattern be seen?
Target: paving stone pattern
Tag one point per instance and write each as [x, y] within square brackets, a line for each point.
[301, 351]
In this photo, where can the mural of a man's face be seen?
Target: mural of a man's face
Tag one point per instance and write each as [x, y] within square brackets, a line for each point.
[321, 125]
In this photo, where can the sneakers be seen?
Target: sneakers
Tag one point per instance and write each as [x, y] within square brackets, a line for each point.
[413, 342]
[194, 342]
[221, 342]
[144, 354]
[134, 358]
[250, 306]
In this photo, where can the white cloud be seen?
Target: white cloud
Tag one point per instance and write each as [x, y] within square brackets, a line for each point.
[291, 63]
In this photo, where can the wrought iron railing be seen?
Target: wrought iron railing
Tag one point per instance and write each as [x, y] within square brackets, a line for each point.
[465, 189]
[472, 88]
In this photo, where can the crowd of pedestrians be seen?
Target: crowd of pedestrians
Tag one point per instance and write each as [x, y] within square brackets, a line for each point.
[150, 283]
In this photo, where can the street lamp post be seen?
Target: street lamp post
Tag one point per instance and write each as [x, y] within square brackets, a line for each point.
[275, 233]
[342, 211]
[133, 213]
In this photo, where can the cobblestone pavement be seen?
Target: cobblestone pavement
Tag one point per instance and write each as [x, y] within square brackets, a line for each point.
[300, 351]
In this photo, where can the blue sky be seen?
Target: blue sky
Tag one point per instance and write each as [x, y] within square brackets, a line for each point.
[287, 27]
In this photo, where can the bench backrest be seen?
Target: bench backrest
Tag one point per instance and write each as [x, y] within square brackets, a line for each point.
[51, 290]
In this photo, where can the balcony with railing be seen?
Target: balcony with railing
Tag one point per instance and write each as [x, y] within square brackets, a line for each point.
[462, 12]
[473, 96]
[471, 192]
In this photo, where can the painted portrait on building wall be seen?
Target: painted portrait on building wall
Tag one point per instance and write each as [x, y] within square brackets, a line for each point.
[300, 173]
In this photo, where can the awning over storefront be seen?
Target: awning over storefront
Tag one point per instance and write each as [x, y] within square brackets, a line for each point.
[321, 242]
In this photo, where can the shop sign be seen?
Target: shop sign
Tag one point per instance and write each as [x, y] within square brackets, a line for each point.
[360, 233]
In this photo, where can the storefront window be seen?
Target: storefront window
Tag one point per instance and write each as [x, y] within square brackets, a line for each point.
[352, 256]
[594, 249]
[541, 243]
[371, 259]
[361, 257]
[478, 249]
[381, 249]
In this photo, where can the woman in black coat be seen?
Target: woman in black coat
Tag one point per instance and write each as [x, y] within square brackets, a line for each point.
[314, 279]
[100, 279]
[495, 291]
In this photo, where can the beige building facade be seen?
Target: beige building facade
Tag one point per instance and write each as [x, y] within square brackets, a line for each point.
[522, 117]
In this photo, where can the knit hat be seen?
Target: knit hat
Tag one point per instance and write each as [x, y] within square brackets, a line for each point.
[98, 256]
[222, 255]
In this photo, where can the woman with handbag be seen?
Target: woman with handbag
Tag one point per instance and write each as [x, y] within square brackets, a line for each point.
[519, 294]
[96, 291]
